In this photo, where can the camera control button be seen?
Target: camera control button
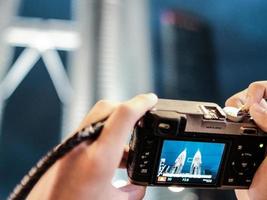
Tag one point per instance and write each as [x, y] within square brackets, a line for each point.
[149, 142]
[142, 165]
[239, 147]
[249, 180]
[244, 165]
[230, 180]
[233, 163]
[167, 126]
[143, 157]
[143, 171]
[164, 126]
[246, 154]
[240, 173]
[147, 153]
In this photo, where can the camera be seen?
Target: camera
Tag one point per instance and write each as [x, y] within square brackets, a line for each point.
[194, 144]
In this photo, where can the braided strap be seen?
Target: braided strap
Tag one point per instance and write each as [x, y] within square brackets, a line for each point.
[89, 133]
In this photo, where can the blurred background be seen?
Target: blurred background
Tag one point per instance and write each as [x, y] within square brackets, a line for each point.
[57, 58]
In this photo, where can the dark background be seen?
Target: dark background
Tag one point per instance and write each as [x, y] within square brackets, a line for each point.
[239, 36]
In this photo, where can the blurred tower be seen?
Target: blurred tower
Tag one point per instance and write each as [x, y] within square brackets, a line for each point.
[82, 62]
[124, 60]
[187, 58]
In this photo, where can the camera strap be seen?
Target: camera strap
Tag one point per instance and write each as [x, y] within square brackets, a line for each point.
[89, 133]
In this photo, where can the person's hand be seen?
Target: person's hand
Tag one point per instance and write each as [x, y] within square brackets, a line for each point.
[86, 172]
[253, 99]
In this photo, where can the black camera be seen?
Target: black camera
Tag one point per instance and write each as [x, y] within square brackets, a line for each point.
[194, 144]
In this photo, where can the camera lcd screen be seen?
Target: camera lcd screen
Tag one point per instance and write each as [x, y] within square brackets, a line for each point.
[190, 162]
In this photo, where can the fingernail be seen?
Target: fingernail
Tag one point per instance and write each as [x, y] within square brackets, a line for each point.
[152, 96]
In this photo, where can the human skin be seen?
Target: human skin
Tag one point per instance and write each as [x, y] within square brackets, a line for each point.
[86, 172]
[253, 99]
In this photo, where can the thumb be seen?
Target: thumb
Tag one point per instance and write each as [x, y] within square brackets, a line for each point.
[135, 192]
[257, 189]
[259, 114]
[242, 194]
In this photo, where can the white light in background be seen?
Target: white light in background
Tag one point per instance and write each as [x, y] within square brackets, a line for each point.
[40, 43]
[42, 39]
[176, 189]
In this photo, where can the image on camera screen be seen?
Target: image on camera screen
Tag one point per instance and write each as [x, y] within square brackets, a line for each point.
[189, 162]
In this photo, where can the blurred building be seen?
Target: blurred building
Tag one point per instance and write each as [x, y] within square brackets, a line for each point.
[187, 68]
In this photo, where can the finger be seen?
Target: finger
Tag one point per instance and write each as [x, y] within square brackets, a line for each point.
[117, 128]
[237, 100]
[135, 192]
[101, 110]
[259, 114]
[256, 92]
[124, 158]
[257, 189]
[242, 194]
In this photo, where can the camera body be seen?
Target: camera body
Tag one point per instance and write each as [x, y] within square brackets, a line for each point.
[193, 144]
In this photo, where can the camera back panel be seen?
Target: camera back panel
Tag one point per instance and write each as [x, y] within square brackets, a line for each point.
[193, 144]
